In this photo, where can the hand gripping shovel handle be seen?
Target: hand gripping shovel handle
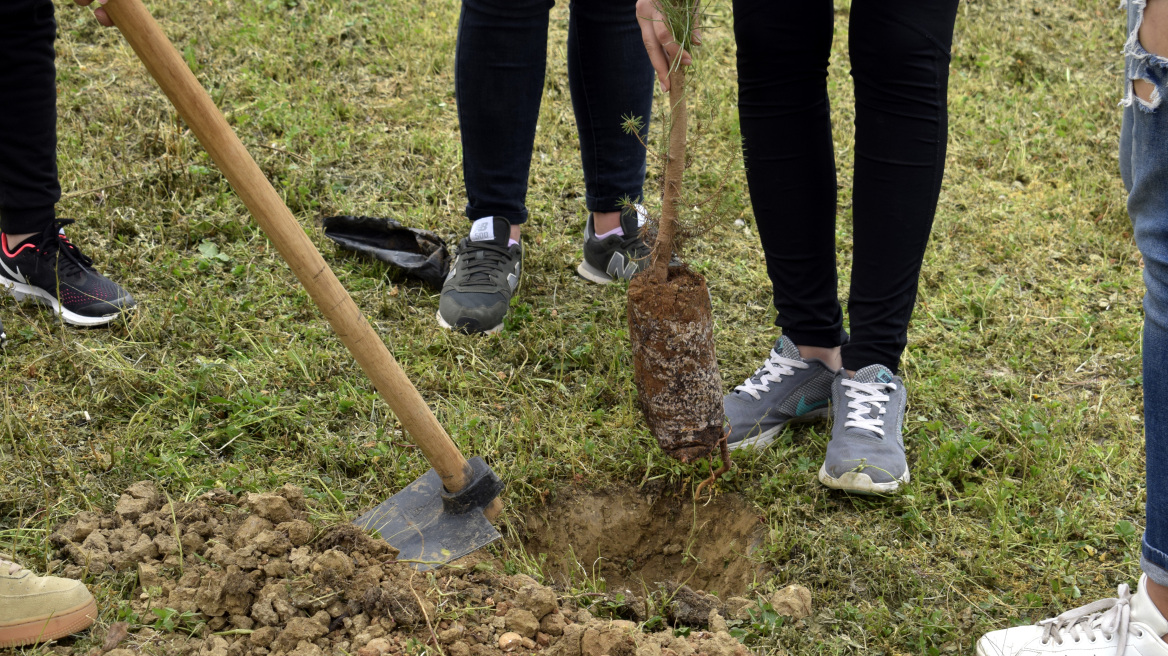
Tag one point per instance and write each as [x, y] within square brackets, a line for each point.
[217, 137]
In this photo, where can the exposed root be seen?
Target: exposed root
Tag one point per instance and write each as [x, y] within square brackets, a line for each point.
[725, 450]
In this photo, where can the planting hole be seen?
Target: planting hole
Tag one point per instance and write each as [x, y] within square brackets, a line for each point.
[635, 539]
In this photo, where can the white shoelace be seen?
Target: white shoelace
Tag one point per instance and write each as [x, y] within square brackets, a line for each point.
[771, 371]
[863, 396]
[1107, 616]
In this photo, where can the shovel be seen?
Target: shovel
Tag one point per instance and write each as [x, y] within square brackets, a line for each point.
[445, 514]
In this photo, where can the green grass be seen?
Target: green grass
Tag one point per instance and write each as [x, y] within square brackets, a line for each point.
[1024, 427]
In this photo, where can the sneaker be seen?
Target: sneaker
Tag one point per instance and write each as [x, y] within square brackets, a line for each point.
[3, 336]
[1124, 626]
[785, 389]
[52, 270]
[37, 609]
[866, 451]
[615, 256]
[484, 275]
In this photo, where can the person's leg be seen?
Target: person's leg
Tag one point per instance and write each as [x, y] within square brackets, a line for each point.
[29, 189]
[1143, 162]
[36, 259]
[500, 62]
[900, 63]
[1144, 155]
[610, 78]
[783, 51]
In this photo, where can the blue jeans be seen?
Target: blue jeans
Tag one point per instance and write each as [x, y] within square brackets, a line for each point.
[499, 80]
[1143, 160]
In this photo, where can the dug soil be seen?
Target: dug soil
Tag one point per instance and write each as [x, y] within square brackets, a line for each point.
[675, 367]
[636, 540]
[228, 575]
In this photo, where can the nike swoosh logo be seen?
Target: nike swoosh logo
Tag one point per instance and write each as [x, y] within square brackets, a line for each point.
[804, 407]
[15, 275]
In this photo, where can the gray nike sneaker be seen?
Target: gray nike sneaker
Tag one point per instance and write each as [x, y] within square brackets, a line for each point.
[785, 389]
[615, 256]
[484, 275]
[866, 451]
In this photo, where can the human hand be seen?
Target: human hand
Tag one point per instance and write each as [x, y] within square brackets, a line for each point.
[659, 41]
[98, 12]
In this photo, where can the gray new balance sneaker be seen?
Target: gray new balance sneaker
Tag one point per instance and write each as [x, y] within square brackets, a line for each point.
[484, 275]
[785, 389]
[866, 451]
[615, 256]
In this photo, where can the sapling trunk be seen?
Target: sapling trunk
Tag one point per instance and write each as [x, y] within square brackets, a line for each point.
[671, 322]
[674, 173]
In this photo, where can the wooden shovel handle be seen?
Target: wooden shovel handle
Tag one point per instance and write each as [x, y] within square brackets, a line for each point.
[211, 128]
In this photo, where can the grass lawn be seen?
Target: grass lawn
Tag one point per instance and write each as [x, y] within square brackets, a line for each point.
[1024, 424]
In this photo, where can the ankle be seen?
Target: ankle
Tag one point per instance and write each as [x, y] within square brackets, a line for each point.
[603, 222]
[15, 240]
[515, 229]
[1159, 596]
[829, 356]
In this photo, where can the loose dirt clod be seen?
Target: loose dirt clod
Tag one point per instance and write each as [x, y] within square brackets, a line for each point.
[794, 601]
[292, 588]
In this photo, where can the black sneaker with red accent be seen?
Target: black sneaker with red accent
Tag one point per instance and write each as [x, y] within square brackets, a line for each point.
[52, 270]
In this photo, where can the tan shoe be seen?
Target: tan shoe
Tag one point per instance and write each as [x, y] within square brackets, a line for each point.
[36, 609]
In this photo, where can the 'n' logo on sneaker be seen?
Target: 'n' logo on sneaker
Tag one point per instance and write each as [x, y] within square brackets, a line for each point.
[620, 268]
[483, 229]
[513, 278]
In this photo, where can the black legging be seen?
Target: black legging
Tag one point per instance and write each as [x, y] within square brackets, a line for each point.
[900, 63]
[28, 116]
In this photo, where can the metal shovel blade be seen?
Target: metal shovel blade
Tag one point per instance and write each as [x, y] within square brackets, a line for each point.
[431, 527]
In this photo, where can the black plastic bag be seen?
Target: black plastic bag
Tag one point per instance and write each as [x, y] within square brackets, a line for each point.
[419, 253]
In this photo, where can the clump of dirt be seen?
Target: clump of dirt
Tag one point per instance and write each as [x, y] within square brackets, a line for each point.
[227, 575]
[637, 540]
[675, 368]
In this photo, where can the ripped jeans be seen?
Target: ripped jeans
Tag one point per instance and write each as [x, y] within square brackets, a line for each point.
[1143, 161]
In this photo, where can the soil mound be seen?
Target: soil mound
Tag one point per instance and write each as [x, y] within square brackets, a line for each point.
[227, 575]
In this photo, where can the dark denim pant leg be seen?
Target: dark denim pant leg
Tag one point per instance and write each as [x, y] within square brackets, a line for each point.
[611, 78]
[29, 188]
[1143, 160]
[499, 71]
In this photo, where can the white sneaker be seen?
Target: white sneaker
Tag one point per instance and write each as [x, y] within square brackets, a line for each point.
[1127, 626]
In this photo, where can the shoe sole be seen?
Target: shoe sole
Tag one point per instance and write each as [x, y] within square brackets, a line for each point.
[592, 274]
[859, 482]
[767, 437]
[442, 322]
[51, 627]
[21, 291]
